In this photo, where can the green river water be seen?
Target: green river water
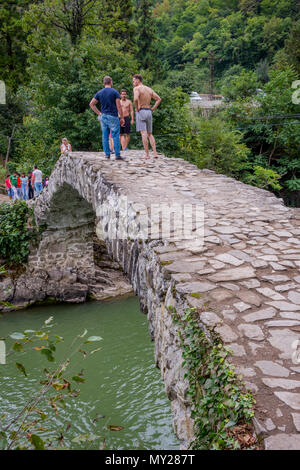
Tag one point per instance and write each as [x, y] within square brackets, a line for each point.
[122, 383]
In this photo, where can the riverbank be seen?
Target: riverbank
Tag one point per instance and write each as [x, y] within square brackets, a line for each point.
[27, 285]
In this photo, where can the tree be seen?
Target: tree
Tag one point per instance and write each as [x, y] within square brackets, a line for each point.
[210, 143]
[11, 122]
[63, 16]
[249, 7]
[292, 46]
[240, 86]
[146, 33]
[115, 18]
[62, 82]
[12, 37]
[271, 129]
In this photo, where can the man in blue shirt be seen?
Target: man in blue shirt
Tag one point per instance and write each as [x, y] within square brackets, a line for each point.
[111, 109]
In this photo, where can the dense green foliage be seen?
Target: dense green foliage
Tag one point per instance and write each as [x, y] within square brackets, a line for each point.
[218, 402]
[54, 54]
[14, 233]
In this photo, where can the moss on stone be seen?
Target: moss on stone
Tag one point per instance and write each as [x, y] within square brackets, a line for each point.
[194, 294]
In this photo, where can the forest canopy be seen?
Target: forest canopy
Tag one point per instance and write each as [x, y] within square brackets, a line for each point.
[54, 54]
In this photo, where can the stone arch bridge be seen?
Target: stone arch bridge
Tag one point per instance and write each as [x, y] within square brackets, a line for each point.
[240, 268]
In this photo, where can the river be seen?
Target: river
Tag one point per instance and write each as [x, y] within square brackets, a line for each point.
[123, 387]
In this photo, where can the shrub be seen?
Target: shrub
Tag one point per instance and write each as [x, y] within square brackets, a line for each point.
[14, 232]
[212, 144]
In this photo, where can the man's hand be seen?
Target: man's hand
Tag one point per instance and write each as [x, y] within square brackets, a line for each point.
[122, 122]
[99, 117]
[132, 121]
[157, 100]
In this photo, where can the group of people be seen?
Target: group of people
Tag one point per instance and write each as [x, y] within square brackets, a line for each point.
[116, 116]
[20, 186]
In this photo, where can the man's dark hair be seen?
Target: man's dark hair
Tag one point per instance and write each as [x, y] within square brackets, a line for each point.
[123, 91]
[138, 76]
[107, 80]
[35, 166]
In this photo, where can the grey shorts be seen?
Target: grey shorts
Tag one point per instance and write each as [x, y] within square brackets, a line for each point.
[144, 120]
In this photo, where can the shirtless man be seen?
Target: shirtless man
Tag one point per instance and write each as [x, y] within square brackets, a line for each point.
[142, 99]
[125, 130]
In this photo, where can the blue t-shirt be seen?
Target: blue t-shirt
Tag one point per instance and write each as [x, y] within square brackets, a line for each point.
[107, 98]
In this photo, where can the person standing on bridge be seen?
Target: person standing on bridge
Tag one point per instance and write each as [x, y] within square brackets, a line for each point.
[111, 109]
[142, 99]
[125, 130]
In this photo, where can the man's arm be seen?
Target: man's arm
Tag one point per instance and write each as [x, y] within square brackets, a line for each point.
[93, 106]
[157, 100]
[120, 111]
[131, 112]
[136, 98]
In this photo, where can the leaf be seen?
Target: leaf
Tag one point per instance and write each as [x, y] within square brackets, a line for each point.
[51, 346]
[59, 338]
[91, 339]
[48, 354]
[21, 368]
[95, 350]
[230, 424]
[3, 440]
[78, 379]
[115, 428]
[83, 334]
[39, 348]
[37, 442]
[17, 335]
[59, 386]
[18, 347]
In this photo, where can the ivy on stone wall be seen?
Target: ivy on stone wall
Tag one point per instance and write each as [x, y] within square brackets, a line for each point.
[220, 409]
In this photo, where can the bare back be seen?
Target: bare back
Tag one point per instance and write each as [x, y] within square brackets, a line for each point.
[144, 94]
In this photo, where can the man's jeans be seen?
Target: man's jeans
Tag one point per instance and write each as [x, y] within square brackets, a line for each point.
[110, 123]
[25, 192]
[37, 188]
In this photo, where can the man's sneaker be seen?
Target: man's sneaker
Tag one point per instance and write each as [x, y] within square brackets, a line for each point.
[126, 148]
[107, 157]
[119, 157]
